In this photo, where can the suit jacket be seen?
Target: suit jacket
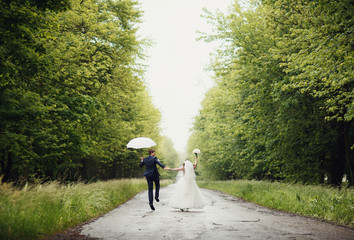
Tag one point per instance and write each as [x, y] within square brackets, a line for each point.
[150, 164]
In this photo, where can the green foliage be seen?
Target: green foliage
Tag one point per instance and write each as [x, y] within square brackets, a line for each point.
[281, 109]
[321, 202]
[318, 50]
[168, 156]
[45, 209]
[21, 37]
[71, 90]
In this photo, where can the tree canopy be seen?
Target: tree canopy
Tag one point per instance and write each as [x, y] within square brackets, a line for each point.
[72, 90]
[282, 107]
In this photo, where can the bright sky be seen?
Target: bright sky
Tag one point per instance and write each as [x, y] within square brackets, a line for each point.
[175, 76]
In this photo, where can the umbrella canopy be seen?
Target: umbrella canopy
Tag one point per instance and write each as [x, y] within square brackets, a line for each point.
[141, 142]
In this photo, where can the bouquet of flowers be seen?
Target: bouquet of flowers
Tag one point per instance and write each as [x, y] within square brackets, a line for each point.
[196, 151]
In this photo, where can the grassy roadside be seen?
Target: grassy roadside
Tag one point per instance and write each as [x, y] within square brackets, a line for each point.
[41, 210]
[321, 202]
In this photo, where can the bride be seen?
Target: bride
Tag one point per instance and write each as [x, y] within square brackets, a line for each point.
[187, 194]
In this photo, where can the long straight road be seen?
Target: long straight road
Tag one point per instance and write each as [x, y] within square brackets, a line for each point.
[225, 217]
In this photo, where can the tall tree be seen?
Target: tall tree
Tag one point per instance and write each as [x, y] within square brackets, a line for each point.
[279, 122]
[168, 156]
[317, 51]
[22, 33]
[74, 115]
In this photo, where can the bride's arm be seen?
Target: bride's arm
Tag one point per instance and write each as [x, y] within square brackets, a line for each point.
[176, 169]
[195, 161]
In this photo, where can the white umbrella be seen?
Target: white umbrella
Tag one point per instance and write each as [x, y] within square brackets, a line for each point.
[141, 142]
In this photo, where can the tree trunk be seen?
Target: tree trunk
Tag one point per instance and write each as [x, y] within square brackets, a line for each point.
[338, 167]
[84, 169]
[6, 165]
[348, 153]
[2, 165]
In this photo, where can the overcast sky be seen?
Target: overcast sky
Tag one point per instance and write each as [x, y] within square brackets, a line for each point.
[176, 77]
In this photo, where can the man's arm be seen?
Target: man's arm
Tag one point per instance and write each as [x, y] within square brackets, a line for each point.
[142, 162]
[159, 163]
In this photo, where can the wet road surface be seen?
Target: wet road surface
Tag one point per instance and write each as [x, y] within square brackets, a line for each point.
[225, 217]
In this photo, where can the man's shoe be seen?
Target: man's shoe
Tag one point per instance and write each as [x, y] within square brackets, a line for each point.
[157, 199]
[152, 207]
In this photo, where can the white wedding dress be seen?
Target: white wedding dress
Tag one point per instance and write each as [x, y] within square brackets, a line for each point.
[187, 194]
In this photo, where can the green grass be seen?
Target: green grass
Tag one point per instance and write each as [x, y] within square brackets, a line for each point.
[39, 211]
[321, 202]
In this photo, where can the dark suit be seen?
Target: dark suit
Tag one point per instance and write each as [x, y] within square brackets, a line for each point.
[152, 175]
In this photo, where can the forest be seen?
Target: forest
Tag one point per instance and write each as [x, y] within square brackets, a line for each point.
[282, 105]
[72, 91]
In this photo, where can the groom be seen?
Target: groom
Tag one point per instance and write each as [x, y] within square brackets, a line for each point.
[152, 175]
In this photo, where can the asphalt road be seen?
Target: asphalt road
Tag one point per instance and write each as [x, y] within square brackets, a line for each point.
[225, 217]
